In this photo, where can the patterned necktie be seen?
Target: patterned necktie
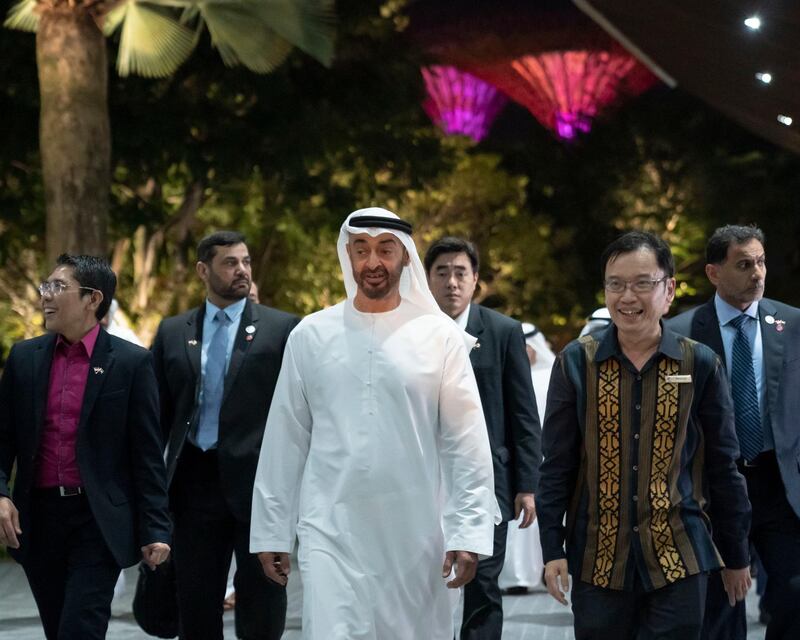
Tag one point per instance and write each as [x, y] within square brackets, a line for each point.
[745, 394]
[213, 383]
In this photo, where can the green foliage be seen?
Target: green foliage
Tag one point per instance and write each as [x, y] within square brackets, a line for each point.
[286, 157]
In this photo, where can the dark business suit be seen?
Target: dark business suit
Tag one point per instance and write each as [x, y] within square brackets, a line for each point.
[503, 373]
[211, 493]
[774, 489]
[121, 466]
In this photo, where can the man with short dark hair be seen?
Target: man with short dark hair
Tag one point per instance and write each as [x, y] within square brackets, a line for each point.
[502, 370]
[376, 454]
[749, 333]
[217, 366]
[79, 416]
[639, 423]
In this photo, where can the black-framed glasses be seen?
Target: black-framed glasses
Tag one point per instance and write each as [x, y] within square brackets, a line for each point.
[56, 288]
[642, 285]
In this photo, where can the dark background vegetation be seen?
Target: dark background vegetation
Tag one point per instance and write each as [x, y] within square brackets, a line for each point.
[285, 157]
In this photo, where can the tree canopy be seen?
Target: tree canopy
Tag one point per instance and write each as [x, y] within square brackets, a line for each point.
[286, 157]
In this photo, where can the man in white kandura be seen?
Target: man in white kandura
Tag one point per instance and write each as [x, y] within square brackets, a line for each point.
[376, 452]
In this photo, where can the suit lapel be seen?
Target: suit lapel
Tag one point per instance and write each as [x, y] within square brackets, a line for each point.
[42, 362]
[705, 329]
[193, 339]
[772, 344]
[99, 369]
[475, 328]
[241, 345]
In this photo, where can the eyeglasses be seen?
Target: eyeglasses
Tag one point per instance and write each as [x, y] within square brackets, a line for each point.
[56, 288]
[644, 285]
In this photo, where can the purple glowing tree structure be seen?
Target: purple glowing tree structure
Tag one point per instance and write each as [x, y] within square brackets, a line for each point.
[546, 56]
[460, 103]
[566, 90]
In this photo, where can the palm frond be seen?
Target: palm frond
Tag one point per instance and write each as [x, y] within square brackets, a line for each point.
[306, 24]
[22, 16]
[310, 25]
[114, 18]
[153, 44]
[242, 38]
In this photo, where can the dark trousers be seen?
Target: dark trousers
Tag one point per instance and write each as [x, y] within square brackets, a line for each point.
[70, 569]
[206, 536]
[775, 534]
[483, 602]
[674, 612]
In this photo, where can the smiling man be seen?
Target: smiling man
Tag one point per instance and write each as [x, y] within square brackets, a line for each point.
[217, 366]
[639, 424]
[375, 452]
[79, 416]
[753, 335]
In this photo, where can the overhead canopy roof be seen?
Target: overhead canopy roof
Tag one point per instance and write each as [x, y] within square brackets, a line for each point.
[704, 47]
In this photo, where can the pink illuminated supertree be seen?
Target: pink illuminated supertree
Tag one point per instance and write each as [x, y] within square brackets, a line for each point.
[460, 103]
[566, 90]
[546, 56]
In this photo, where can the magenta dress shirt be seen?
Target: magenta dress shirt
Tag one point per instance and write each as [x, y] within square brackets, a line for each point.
[57, 462]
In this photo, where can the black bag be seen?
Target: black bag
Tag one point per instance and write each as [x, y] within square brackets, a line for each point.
[155, 604]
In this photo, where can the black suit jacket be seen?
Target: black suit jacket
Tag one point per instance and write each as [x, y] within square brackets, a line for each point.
[782, 370]
[118, 447]
[503, 372]
[249, 385]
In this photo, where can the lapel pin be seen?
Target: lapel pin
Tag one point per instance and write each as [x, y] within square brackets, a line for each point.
[192, 343]
[477, 345]
[98, 370]
[769, 319]
[249, 338]
[250, 329]
[779, 325]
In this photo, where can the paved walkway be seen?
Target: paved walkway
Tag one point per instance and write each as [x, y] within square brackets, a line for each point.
[534, 616]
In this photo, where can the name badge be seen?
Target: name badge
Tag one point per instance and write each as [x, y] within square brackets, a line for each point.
[684, 379]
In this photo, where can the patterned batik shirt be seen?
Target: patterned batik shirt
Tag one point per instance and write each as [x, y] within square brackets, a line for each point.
[642, 463]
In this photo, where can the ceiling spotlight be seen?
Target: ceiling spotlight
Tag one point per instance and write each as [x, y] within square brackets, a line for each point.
[787, 120]
[753, 22]
[764, 77]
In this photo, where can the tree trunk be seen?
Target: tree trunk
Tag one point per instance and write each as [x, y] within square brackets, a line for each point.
[74, 131]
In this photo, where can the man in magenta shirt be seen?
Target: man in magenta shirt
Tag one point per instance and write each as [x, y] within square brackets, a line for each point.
[79, 415]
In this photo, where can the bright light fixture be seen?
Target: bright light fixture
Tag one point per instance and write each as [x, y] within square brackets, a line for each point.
[787, 120]
[764, 77]
[753, 22]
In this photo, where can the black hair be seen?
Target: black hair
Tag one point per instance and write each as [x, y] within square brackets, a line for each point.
[451, 244]
[207, 248]
[635, 240]
[94, 273]
[721, 240]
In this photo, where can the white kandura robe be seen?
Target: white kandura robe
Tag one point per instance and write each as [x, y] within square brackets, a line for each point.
[524, 563]
[376, 447]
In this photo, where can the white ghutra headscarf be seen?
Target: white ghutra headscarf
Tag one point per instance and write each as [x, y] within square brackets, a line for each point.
[413, 282]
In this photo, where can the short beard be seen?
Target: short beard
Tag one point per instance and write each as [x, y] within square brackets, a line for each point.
[390, 283]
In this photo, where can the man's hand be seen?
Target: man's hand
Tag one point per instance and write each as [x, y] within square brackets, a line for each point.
[556, 576]
[524, 503]
[276, 565]
[154, 554]
[736, 582]
[9, 523]
[466, 565]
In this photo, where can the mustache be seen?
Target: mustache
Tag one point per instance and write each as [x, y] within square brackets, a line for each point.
[377, 271]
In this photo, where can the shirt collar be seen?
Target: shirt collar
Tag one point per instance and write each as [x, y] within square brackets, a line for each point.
[233, 311]
[463, 318]
[88, 341]
[726, 312]
[609, 345]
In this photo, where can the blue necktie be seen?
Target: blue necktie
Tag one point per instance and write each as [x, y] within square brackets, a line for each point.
[213, 383]
[745, 394]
